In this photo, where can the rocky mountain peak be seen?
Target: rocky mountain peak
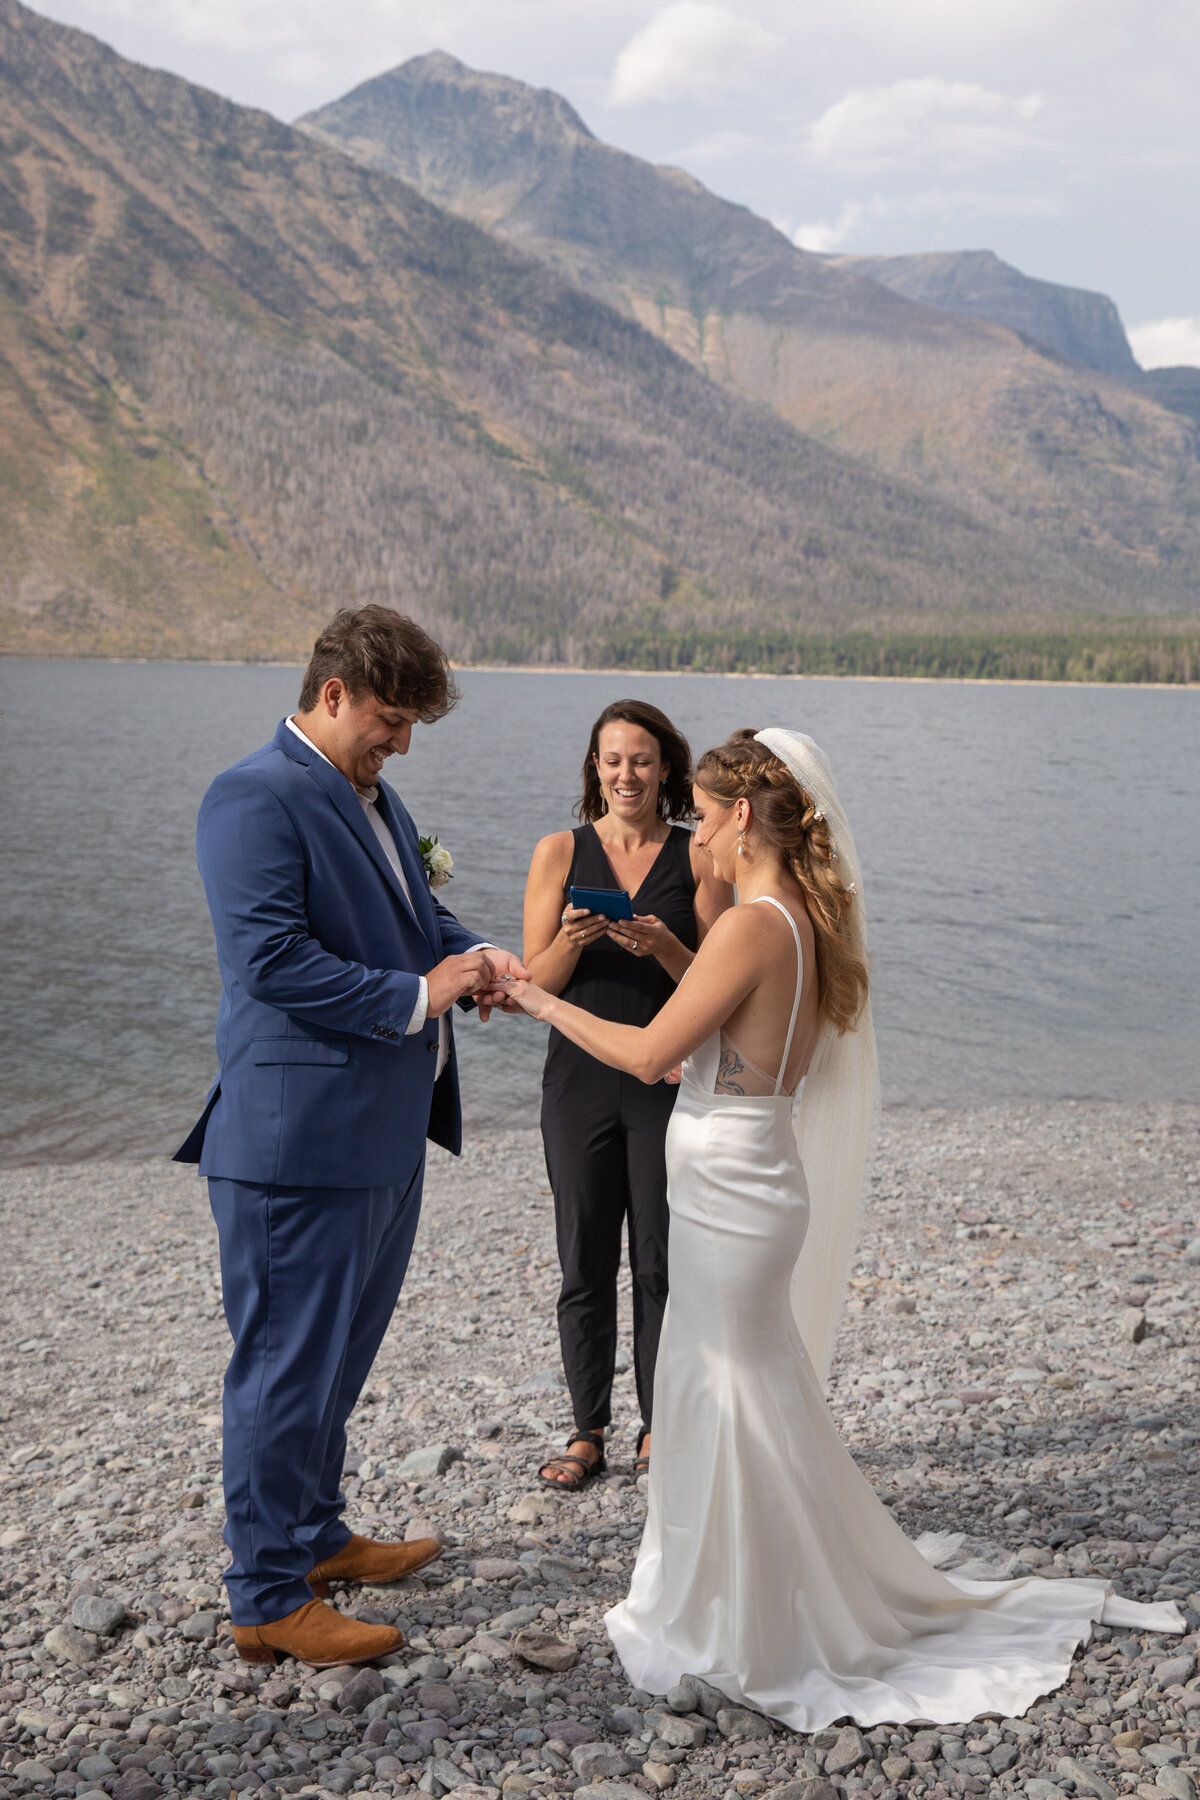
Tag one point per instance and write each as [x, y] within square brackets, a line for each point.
[978, 284]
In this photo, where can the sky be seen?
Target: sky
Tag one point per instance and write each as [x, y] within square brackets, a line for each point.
[1062, 134]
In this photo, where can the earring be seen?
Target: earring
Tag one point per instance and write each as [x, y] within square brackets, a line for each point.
[740, 845]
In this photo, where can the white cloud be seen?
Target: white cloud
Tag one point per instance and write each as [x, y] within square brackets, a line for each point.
[722, 146]
[691, 50]
[1166, 343]
[823, 235]
[924, 119]
[949, 209]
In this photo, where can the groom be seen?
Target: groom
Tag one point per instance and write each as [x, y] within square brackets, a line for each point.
[338, 970]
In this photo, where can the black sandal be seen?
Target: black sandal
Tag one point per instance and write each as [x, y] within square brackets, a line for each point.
[587, 1470]
[641, 1464]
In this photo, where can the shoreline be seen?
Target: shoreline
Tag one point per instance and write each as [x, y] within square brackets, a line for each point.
[985, 681]
[479, 1138]
[1017, 1362]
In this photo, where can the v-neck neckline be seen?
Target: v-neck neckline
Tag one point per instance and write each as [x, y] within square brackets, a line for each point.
[645, 878]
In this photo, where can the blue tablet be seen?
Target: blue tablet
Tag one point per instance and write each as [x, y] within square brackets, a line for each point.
[614, 903]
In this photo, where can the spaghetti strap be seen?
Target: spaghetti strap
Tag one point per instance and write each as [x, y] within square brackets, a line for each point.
[787, 1047]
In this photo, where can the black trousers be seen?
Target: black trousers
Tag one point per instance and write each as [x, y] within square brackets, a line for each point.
[604, 1134]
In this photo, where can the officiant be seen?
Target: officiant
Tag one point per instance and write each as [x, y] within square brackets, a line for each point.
[603, 1131]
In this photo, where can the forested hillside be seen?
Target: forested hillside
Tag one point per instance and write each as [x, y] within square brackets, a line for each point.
[244, 378]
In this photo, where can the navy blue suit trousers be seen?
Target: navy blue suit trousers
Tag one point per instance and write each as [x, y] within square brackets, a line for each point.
[311, 1276]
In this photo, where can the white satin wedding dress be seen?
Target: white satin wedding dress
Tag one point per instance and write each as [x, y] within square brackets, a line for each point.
[768, 1565]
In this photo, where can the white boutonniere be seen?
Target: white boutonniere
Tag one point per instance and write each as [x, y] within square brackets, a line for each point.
[438, 861]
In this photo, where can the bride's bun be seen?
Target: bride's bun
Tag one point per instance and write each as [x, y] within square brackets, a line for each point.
[787, 821]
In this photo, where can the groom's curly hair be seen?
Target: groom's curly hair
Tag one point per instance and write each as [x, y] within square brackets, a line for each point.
[376, 650]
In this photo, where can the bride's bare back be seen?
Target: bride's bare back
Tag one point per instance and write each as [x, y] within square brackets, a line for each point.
[754, 1035]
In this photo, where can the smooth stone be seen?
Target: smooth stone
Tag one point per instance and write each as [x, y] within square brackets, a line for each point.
[439, 1697]
[32, 1770]
[663, 1775]
[200, 1626]
[95, 1768]
[599, 1762]
[545, 1651]
[495, 1568]
[1085, 1778]
[446, 1773]
[607, 1790]
[1176, 1782]
[848, 1752]
[680, 1733]
[430, 1460]
[738, 1722]
[38, 1720]
[93, 1612]
[66, 1643]
[811, 1787]
[570, 1732]
[136, 1785]
[361, 1689]
[1173, 1669]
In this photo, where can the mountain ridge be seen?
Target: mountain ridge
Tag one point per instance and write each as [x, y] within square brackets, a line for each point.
[962, 405]
[245, 378]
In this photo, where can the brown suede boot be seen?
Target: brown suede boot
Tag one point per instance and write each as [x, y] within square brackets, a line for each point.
[362, 1559]
[316, 1634]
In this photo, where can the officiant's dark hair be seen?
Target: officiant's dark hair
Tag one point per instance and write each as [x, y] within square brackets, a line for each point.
[675, 794]
[376, 650]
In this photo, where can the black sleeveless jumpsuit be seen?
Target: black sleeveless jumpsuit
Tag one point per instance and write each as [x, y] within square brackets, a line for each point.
[604, 1134]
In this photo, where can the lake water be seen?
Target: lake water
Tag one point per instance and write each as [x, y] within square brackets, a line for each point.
[1031, 860]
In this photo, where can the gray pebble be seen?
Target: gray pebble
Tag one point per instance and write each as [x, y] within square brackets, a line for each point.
[200, 1626]
[93, 1612]
[600, 1762]
[68, 1644]
[433, 1459]
[849, 1750]
[738, 1722]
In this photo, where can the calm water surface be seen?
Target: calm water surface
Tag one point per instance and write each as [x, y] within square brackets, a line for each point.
[1031, 860]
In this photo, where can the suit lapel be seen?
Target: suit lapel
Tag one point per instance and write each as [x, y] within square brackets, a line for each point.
[345, 798]
[395, 816]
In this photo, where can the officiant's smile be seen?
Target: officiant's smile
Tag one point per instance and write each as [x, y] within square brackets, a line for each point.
[631, 770]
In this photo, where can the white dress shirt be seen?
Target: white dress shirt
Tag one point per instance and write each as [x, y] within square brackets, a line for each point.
[387, 843]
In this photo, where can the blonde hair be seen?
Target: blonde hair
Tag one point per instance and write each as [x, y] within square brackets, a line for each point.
[787, 820]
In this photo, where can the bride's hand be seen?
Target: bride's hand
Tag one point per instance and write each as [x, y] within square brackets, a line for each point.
[526, 997]
[644, 935]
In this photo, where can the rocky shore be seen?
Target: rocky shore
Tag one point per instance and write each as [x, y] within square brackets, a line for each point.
[1018, 1362]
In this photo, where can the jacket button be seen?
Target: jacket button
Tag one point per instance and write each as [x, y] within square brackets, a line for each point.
[432, 1047]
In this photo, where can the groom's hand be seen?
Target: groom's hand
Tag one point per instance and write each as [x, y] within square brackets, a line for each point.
[508, 968]
[473, 974]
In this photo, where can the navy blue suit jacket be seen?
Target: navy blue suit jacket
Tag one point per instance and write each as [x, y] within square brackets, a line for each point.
[320, 956]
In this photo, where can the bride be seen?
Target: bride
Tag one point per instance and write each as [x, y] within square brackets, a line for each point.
[768, 1565]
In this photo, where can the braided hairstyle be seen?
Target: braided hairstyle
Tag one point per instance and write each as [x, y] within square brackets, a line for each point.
[786, 818]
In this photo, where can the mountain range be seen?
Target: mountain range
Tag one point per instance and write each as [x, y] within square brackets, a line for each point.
[439, 347]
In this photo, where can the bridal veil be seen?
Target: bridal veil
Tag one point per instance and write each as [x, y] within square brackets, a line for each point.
[837, 1107]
